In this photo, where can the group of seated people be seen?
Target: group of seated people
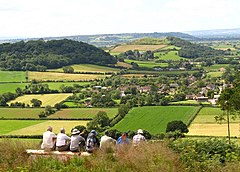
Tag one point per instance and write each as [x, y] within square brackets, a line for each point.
[62, 142]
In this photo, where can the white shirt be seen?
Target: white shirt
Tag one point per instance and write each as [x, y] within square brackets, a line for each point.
[106, 141]
[61, 139]
[138, 138]
[48, 137]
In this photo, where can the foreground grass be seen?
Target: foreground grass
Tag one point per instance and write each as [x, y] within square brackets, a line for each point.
[150, 157]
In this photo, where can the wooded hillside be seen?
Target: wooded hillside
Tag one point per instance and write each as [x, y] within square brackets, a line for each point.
[41, 55]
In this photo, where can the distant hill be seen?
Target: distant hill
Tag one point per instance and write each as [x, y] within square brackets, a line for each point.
[218, 34]
[41, 55]
[106, 40]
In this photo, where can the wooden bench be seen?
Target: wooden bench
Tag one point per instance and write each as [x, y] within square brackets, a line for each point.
[64, 155]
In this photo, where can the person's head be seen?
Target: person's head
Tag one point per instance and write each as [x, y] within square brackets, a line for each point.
[107, 133]
[93, 132]
[49, 128]
[62, 130]
[75, 131]
[124, 136]
[139, 131]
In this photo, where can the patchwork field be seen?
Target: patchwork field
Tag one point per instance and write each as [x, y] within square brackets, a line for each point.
[20, 112]
[7, 126]
[11, 87]
[172, 55]
[47, 99]
[205, 124]
[89, 68]
[54, 76]
[84, 112]
[57, 85]
[147, 64]
[155, 118]
[123, 64]
[36, 127]
[12, 76]
[124, 48]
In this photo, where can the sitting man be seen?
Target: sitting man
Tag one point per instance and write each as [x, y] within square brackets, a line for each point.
[138, 138]
[62, 141]
[76, 139]
[92, 142]
[49, 140]
[107, 142]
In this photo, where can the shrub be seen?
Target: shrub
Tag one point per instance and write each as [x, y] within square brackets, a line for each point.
[177, 125]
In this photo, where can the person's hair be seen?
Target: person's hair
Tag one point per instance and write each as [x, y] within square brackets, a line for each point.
[62, 130]
[107, 133]
[49, 128]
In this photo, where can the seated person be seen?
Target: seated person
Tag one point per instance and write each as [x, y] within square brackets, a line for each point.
[92, 141]
[75, 140]
[107, 142]
[62, 141]
[49, 140]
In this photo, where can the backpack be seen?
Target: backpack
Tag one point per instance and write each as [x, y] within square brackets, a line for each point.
[90, 144]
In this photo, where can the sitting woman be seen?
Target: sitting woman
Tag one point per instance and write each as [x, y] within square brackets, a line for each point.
[76, 139]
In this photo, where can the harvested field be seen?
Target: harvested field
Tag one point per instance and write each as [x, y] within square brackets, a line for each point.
[47, 99]
[124, 48]
[20, 112]
[54, 76]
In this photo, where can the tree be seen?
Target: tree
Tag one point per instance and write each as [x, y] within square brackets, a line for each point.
[98, 122]
[177, 126]
[68, 69]
[36, 102]
[229, 101]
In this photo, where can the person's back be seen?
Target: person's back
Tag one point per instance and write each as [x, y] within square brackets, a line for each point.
[91, 142]
[106, 141]
[48, 139]
[62, 143]
[75, 140]
[123, 139]
[139, 137]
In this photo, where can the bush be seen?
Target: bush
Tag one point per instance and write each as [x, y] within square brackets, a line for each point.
[177, 125]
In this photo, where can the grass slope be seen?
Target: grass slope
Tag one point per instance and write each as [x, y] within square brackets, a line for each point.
[47, 99]
[124, 48]
[84, 112]
[147, 64]
[155, 118]
[57, 85]
[20, 112]
[172, 55]
[12, 76]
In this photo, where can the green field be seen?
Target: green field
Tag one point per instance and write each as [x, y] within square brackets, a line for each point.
[47, 99]
[215, 67]
[147, 64]
[172, 55]
[186, 102]
[40, 126]
[57, 85]
[89, 68]
[12, 76]
[155, 118]
[214, 74]
[11, 87]
[7, 126]
[84, 112]
[20, 112]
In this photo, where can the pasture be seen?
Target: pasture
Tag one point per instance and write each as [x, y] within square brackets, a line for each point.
[155, 118]
[39, 128]
[54, 76]
[20, 112]
[89, 68]
[215, 67]
[57, 85]
[12, 76]
[124, 48]
[205, 124]
[84, 112]
[123, 64]
[11, 87]
[7, 126]
[214, 74]
[47, 99]
[172, 55]
[147, 64]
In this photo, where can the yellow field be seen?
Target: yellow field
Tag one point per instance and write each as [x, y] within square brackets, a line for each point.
[214, 129]
[123, 64]
[47, 99]
[54, 76]
[124, 48]
[38, 129]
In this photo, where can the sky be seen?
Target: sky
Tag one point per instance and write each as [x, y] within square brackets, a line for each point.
[43, 18]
